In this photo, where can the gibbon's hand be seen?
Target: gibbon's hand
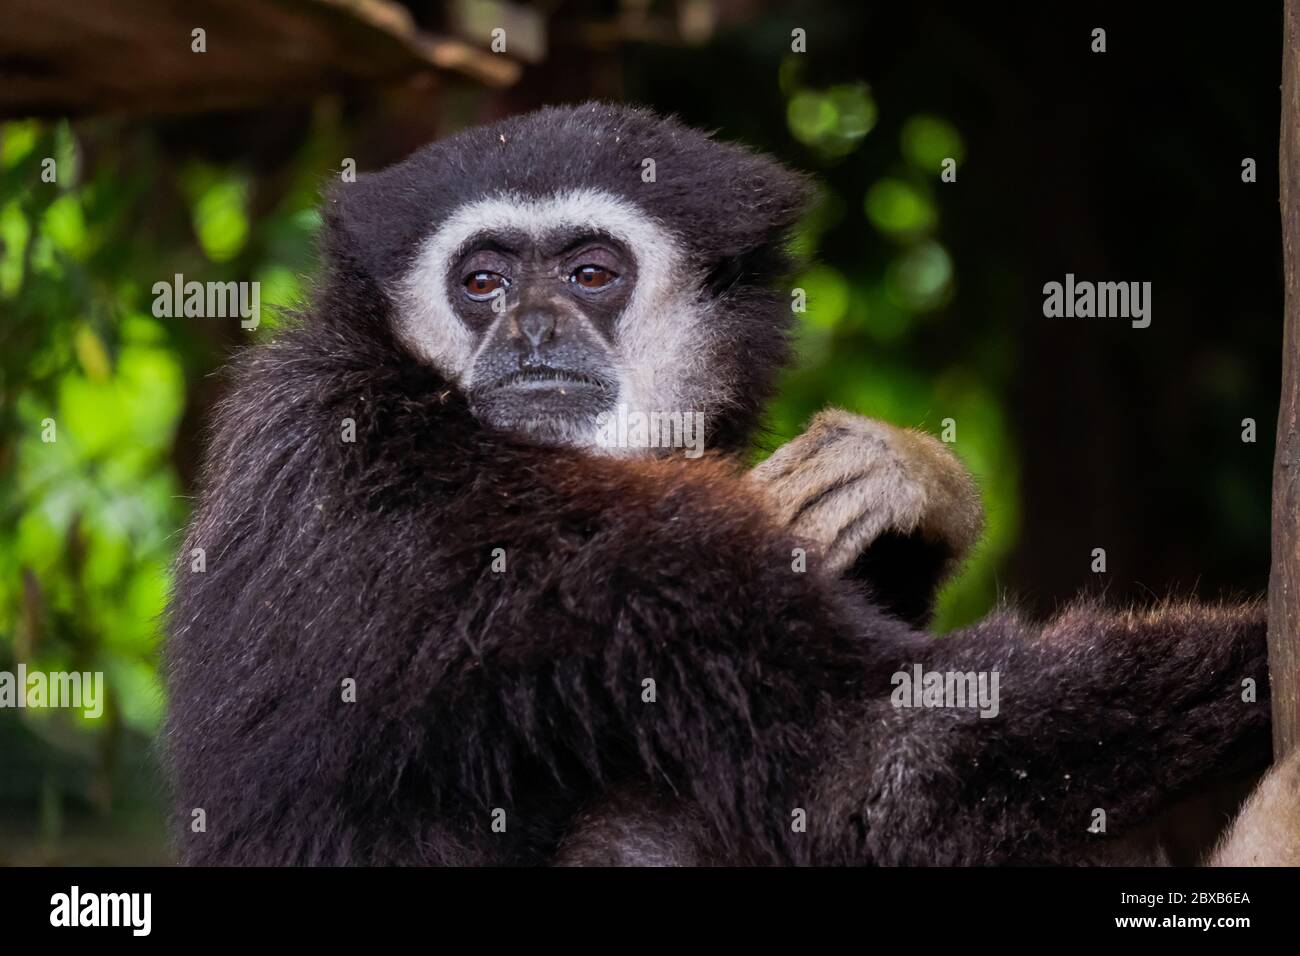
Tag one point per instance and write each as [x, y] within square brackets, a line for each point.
[849, 480]
[1267, 830]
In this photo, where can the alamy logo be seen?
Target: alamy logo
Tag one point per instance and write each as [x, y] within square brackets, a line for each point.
[1101, 300]
[622, 428]
[208, 300]
[64, 689]
[75, 908]
[922, 688]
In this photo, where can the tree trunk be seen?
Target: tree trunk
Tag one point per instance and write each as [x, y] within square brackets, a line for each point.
[1284, 580]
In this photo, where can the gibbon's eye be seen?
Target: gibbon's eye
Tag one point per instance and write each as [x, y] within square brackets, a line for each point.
[593, 278]
[484, 285]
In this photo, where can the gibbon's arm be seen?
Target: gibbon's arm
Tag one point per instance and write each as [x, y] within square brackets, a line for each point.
[870, 496]
[891, 508]
[897, 510]
[431, 644]
[1096, 711]
[1122, 713]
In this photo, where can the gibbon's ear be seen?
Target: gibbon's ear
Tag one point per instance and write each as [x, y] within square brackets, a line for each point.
[373, 225]
[348, 236]
[728, 202]
[766, 201]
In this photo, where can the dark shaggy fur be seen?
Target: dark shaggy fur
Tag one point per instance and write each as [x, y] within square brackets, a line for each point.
[522, 690]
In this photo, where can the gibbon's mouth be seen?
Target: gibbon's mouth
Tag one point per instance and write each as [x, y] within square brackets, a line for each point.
[543, 402]
[547, 379]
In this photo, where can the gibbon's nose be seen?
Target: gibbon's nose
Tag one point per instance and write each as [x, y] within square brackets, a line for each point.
[536, 325]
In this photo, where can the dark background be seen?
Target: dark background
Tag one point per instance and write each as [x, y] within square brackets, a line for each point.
[925, 298]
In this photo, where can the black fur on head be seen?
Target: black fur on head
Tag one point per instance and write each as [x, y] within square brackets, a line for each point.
[729, 209]
[725, 201]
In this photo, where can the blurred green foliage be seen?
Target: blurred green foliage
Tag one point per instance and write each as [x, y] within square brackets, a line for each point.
[92, 392]
[857, 337]
[90, 521]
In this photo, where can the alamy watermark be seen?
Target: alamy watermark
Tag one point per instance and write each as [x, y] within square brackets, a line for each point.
[75, 908]
[76, 690]
[208, 300]
[922, 688]
[1100, 300]
[623, 428]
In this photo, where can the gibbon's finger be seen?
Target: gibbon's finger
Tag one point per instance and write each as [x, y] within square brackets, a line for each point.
[849, 479]
[839, 485]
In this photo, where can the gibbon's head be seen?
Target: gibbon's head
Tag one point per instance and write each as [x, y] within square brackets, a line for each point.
[556, 266]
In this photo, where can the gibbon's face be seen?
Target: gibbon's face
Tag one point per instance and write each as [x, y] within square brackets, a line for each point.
[580, 263]
[544, 308]
[551, 313]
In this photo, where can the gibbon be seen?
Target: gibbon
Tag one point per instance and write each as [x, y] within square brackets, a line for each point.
[445, 620]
